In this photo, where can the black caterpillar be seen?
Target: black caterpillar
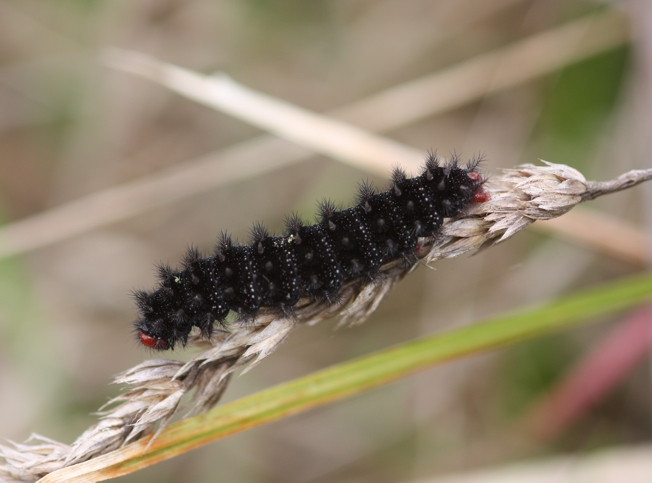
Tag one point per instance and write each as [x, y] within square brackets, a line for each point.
[309, 260]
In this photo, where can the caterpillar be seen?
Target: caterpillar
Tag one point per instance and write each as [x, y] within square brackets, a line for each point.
[308, 261]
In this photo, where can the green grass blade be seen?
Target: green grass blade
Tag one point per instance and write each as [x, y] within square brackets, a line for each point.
[340, 381]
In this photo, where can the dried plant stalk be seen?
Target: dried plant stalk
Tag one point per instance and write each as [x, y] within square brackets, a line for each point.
[156, 387]
[397, 106]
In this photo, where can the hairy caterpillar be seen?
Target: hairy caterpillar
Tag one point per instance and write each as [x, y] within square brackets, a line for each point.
[312, 261]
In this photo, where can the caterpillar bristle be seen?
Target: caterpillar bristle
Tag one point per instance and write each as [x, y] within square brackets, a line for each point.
[293, 223]
[432, 161]
[365, 191]
[258, 233]
[163, 271]
[326, 209]
[475, 162]
[191, 257]
[142, 300]
[454, 162]
[224, 242]
[398, 176]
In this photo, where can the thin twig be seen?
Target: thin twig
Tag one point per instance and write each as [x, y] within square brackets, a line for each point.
[622, 182]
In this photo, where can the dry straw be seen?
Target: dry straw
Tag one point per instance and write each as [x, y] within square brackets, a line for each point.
[156, 387]
[400, 105]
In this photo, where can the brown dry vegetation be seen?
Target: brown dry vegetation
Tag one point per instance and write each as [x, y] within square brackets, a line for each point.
[70, 127]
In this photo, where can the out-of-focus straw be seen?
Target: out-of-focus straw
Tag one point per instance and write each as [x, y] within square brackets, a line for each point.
[447, 89]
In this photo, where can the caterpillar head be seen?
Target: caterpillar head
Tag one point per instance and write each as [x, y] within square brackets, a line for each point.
[152, 342]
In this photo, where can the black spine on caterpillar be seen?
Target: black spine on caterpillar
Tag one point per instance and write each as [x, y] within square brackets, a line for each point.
[311, 261]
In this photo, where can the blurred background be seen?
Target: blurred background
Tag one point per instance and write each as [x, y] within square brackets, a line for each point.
[71, 128]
